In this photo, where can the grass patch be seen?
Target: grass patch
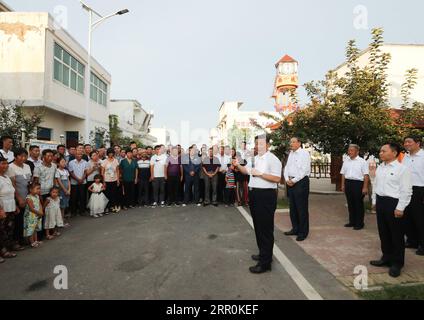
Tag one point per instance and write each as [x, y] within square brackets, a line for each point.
[412, 292]
[282, 204]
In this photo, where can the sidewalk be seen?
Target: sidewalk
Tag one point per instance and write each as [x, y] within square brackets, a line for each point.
[339, 249]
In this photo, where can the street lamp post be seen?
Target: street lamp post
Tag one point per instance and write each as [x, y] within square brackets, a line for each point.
[92, 24]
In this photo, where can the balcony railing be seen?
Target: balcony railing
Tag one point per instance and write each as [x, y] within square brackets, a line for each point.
[320, 170]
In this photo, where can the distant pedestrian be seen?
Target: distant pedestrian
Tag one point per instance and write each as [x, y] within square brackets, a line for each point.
[33, 215]
[63, 182]
[98, 201]
[230, 186]
[129, 174]
[211, 167]
[111, 176]
[157, 175]
[174, 174]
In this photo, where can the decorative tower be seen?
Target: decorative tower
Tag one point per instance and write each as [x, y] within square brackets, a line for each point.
[286, 83]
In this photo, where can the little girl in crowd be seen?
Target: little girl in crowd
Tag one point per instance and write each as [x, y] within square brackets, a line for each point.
[53, 219]
[230, 187]
[98, 200]
[33, 215]
[64, 184]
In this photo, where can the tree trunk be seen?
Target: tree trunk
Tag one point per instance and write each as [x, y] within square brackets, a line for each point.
[336, 166]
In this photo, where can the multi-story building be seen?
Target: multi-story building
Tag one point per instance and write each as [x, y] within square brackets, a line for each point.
[235, 124]
[162, 135]
[403, 57]
[42, 66]
[133, 120]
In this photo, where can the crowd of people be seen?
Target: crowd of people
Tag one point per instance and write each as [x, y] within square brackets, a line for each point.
[38, 194]
[40, 190]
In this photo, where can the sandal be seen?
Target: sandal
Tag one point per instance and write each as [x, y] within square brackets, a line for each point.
[56, 234]
[34, 245]
[49, 237]
[9, 255]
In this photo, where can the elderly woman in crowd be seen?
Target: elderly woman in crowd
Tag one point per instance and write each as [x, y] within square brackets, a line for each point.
[8, 210]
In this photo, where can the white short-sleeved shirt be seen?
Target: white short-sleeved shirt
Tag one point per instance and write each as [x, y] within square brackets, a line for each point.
[268, 163]
[298, 165]
[355, 169]
[158, 163]
[9, 155]
[415, 163]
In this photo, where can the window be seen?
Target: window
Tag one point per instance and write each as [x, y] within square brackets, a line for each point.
[98, 90]
[44, 134]
[68, 70]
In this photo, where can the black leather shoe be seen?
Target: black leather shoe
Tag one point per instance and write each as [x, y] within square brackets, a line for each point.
[299, 238]
[394, 271]
[256, 257]
[348, 225]
[420, 251]
[409, 245]
[290, 233]
[380, 263]
[259, 268]
[358, 228]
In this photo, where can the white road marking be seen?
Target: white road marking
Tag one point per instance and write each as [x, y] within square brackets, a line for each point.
[303, 284]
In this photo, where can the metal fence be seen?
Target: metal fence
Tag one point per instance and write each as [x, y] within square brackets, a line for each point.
[320, 170]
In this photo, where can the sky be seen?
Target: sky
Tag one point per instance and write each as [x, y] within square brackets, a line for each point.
[183, 58]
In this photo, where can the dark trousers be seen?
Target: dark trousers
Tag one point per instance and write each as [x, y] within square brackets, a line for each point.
[143, 191]
[191, 188]
[19, 226]
[159, 190]
[128, 193]
[355, 202]
[230, 196]
[78, 200]
[173, 184]
[7, 230]
[262, 204]
[299, 207]
[111, 193]
[220, 187]
[391, 231]
[211, 183]
[414, 218]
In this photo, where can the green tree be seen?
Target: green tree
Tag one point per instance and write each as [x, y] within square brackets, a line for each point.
[13, 119]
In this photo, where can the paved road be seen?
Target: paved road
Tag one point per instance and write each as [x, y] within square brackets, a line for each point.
[169, 253]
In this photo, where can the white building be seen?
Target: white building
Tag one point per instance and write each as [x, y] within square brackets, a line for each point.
[230, 117]
[162, 135]
[403, 57]
[134, 121]
[43, 66]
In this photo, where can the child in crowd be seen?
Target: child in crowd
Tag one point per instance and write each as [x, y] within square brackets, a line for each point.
[53, 214]
[230, 186]
[98, 200]
[64, 184]
[33, 215]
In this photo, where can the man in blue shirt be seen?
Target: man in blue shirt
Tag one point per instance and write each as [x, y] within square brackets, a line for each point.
[191, 168]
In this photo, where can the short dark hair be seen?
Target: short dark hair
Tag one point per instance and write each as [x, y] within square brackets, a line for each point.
[46, 151]
[60, 146]
[263, 136]
[87, 145]
[298, 139]
[149, 147]
[54, 188]
[416, 139]
[3, 138]
[32, 147]
[394, 147]
[33, 185]
[92, 152]
[80, 145]
[133, 142]
[110, 150]
[20, 151]
[98, 176]
[128, 150]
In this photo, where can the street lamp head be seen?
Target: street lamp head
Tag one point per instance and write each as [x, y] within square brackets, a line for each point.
[124, 11]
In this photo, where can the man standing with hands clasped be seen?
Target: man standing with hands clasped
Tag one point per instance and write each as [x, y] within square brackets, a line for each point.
[355, 179]
[296, 174]
[392, 192]
[265, 174]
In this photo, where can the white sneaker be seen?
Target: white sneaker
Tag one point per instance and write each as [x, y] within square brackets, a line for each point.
[154, 205]
[95, 216]
[184, 205]
[162, 204]
[199, 204]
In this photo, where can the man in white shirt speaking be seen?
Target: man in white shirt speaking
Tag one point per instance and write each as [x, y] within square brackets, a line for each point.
[296, 174]
[414, 213]
[392, 192]
[265, 175]
[355, 179]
